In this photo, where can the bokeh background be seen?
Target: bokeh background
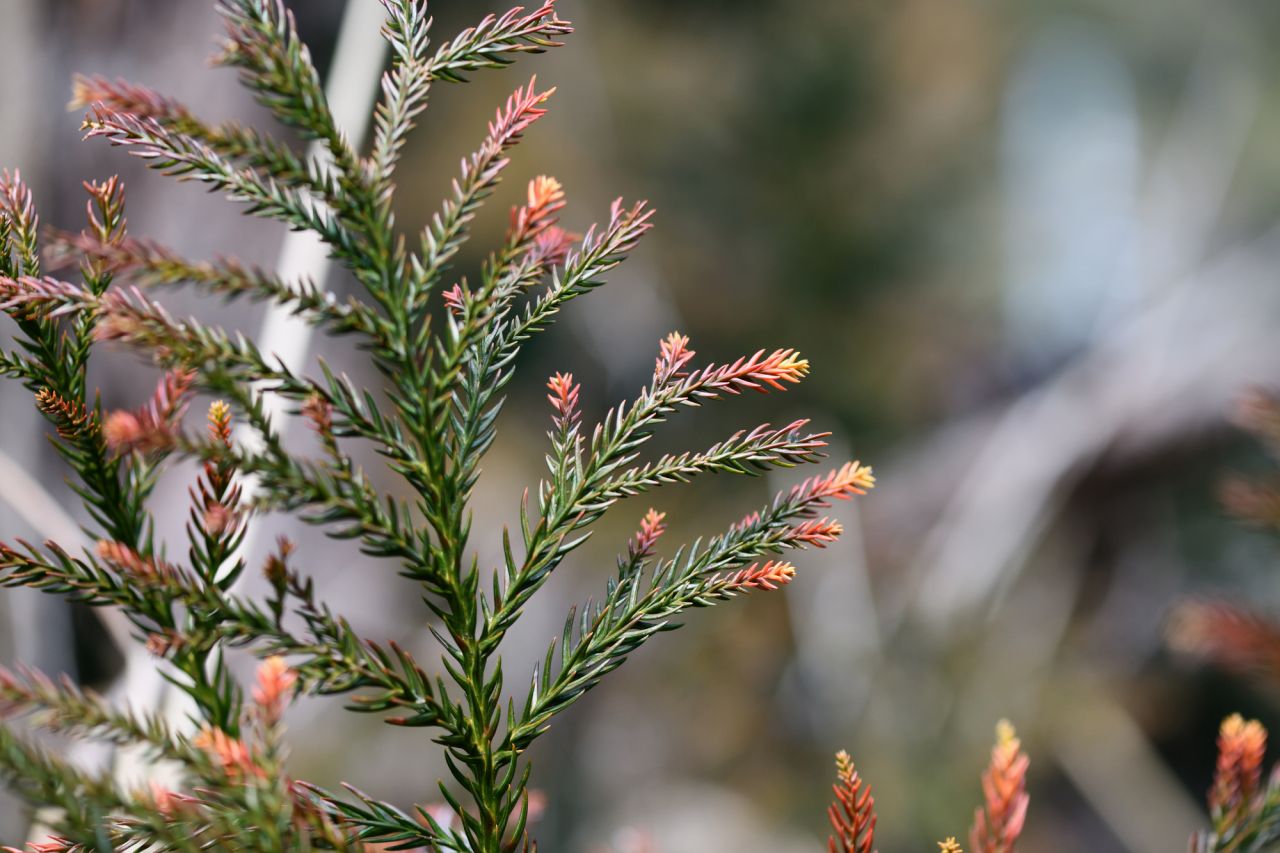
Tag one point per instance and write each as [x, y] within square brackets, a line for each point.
[1031, 250]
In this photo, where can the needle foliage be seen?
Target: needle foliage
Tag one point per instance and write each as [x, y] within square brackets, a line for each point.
[446, 348]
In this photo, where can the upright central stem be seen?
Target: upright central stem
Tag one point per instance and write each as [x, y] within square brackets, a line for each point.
[473, 746]
[488, 799]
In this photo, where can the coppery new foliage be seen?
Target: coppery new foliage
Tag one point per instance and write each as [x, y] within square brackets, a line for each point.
[446, 345]
[1243, 808]
[997, 823]
[852, 814]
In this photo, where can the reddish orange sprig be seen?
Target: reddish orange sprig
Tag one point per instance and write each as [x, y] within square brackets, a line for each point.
[758, 372]
[564, 399]
[852, 814]
[232, 754]
[275, 683]
[1228, 635]
[168, 803]
[124, 97]
[818, 532]
[1242, 745]
[673, 355]
[545, 199]
[522, 109]
[1004, 788]
[652, 526]
[105, 209]
[154, 427]
[852, 478]
[129, 562]
[215, 496]
[552, 245]
[163, 643]
[17, 204]
[769, 576]
[455, 299]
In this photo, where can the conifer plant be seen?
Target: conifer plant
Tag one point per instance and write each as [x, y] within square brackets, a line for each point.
[446, 347]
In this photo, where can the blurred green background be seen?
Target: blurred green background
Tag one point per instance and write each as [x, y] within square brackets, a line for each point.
[1031, 251]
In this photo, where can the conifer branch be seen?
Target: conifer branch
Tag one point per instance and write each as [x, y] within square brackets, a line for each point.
[494, 41]
[84, 801]
[262, 43]
[148, 264]
[247, 146]
[445, 375]
[852, 815]
[188, 158]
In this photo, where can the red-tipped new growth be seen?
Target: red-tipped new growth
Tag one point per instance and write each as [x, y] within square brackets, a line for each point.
[652, 526]
[1004, 787]
[275, 682]
[626, 226]
[535, 223]
[673, 355]
[852, 814]
[17, 205]
[545, 200]
[1228, 635]
[522, 109]
[818, 532]
[564, 399]
[455, 299]
[216, 496]
[771, 575]
[1242, 745]
[433, 427]
[852, 478]
[124, 97]
[552, 245]
[760, 372]
[70, 417]
[319, 414]
[130, 563]
[161, 799]
[163, 643]
[105, 209]
[220, 423]
[276, 568]
[154, 427]
[232, 754]
[47, 295]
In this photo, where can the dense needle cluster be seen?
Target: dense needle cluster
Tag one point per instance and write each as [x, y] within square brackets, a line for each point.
[446, 347]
